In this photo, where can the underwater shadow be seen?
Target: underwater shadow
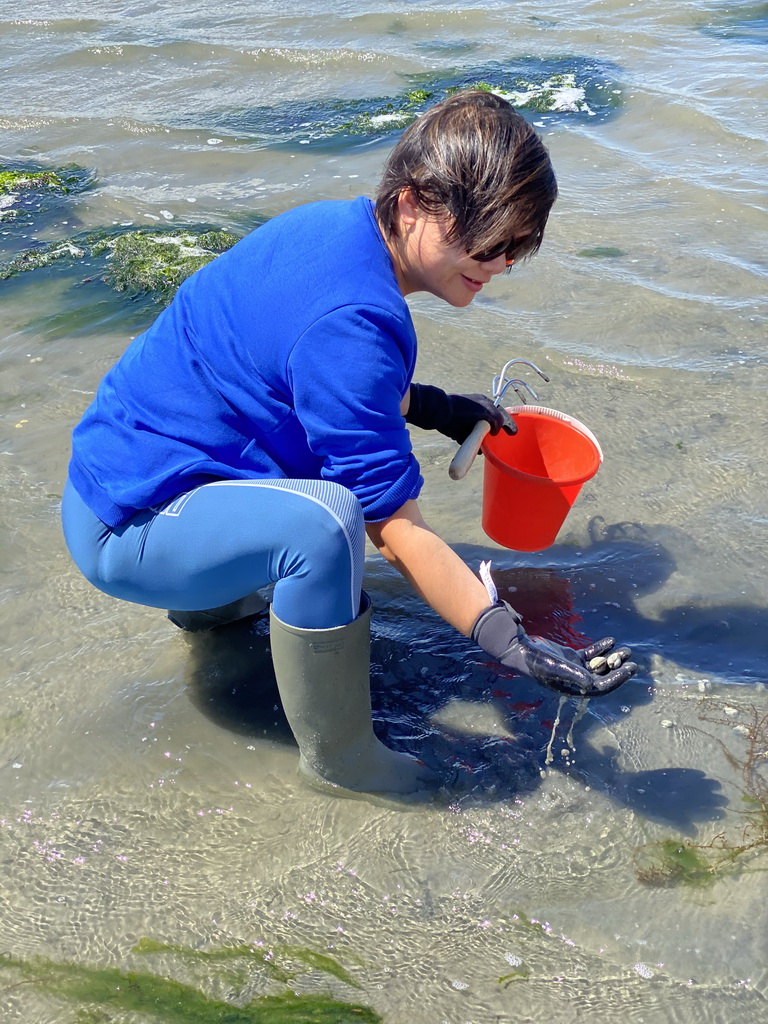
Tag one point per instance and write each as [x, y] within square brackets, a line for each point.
[230, 679]
[748, 24]
[487, 730]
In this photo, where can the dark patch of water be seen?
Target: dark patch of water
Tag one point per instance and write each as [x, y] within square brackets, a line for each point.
[558, 88]
[745, 25]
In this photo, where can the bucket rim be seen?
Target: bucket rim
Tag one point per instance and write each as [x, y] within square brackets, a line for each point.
[543, 410]
[556, 414]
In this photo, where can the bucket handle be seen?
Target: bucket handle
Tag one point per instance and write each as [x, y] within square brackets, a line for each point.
[465, 456]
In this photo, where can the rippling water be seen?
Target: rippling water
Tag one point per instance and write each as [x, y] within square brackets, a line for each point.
[147, 784]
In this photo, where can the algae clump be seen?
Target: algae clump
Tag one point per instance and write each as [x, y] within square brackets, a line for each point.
[559, 93]
[136, 261]
[673, 862]
[389, 115]
[274, 958]
[171, 1002]
[12, 181]
[145, 261]
[43, 256]
[29, 190]
[601, 252]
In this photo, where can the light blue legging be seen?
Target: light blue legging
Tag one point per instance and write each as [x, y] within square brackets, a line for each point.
[224, 540]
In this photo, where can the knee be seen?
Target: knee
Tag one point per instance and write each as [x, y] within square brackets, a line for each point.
[332, 530]
[345, 507]
[339, 522]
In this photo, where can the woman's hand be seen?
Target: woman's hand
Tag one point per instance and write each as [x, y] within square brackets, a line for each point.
[592, 671]
[454, 415]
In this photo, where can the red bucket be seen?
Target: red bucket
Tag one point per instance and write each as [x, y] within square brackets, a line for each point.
[533, 477]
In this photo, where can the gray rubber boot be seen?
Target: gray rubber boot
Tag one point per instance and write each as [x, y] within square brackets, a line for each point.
[324, 683]
[197, 622]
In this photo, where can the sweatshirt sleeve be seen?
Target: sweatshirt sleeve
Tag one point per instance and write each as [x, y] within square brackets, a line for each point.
[348, 374]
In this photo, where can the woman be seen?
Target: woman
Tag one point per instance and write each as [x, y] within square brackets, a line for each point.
[258, 429]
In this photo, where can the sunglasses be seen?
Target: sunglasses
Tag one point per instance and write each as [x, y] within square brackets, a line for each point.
[507, 249]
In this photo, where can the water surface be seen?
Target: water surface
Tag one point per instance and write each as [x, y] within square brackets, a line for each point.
[148, 784]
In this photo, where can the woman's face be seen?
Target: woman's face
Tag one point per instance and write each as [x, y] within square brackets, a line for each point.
[426, 262]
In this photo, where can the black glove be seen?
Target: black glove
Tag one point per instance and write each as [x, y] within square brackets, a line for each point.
[562, 669]
[455, 415]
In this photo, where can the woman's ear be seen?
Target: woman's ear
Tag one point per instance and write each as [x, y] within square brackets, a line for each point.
[408, 209]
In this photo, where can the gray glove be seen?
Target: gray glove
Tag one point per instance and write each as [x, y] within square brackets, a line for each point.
[499, 632]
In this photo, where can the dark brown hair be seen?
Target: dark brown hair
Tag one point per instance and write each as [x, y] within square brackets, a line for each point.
[475, 157]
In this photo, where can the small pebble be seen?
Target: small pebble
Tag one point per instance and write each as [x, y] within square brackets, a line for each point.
[614, 660]
[666, 723]
[731, 711]
[598, 664]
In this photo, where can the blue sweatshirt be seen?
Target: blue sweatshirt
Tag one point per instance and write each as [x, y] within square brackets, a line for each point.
[287, 356]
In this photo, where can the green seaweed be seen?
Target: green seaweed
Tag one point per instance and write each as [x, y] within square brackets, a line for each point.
[14, 181]
[42, 256]
[170, 1002]
[271, 957]
[67, 179]
[145, 261]
[482, 86]
[29, 191]
[601, 252]
[557, 93]
[507, 979]
[137, 261]
[396, 113]
[10, 724]
[551, 87]
[672, 862]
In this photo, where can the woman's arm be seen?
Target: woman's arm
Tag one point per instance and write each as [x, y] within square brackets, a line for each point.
[434, 570]
[452, 589]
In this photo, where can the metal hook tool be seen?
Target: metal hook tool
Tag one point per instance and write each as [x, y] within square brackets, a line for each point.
[466, 454]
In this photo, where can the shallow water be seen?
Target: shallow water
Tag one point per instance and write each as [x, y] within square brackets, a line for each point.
[147, 783]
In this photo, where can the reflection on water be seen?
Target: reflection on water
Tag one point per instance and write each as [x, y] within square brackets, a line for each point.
[148, 778]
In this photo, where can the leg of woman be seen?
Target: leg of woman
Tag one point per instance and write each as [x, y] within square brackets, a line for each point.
[222, 541]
